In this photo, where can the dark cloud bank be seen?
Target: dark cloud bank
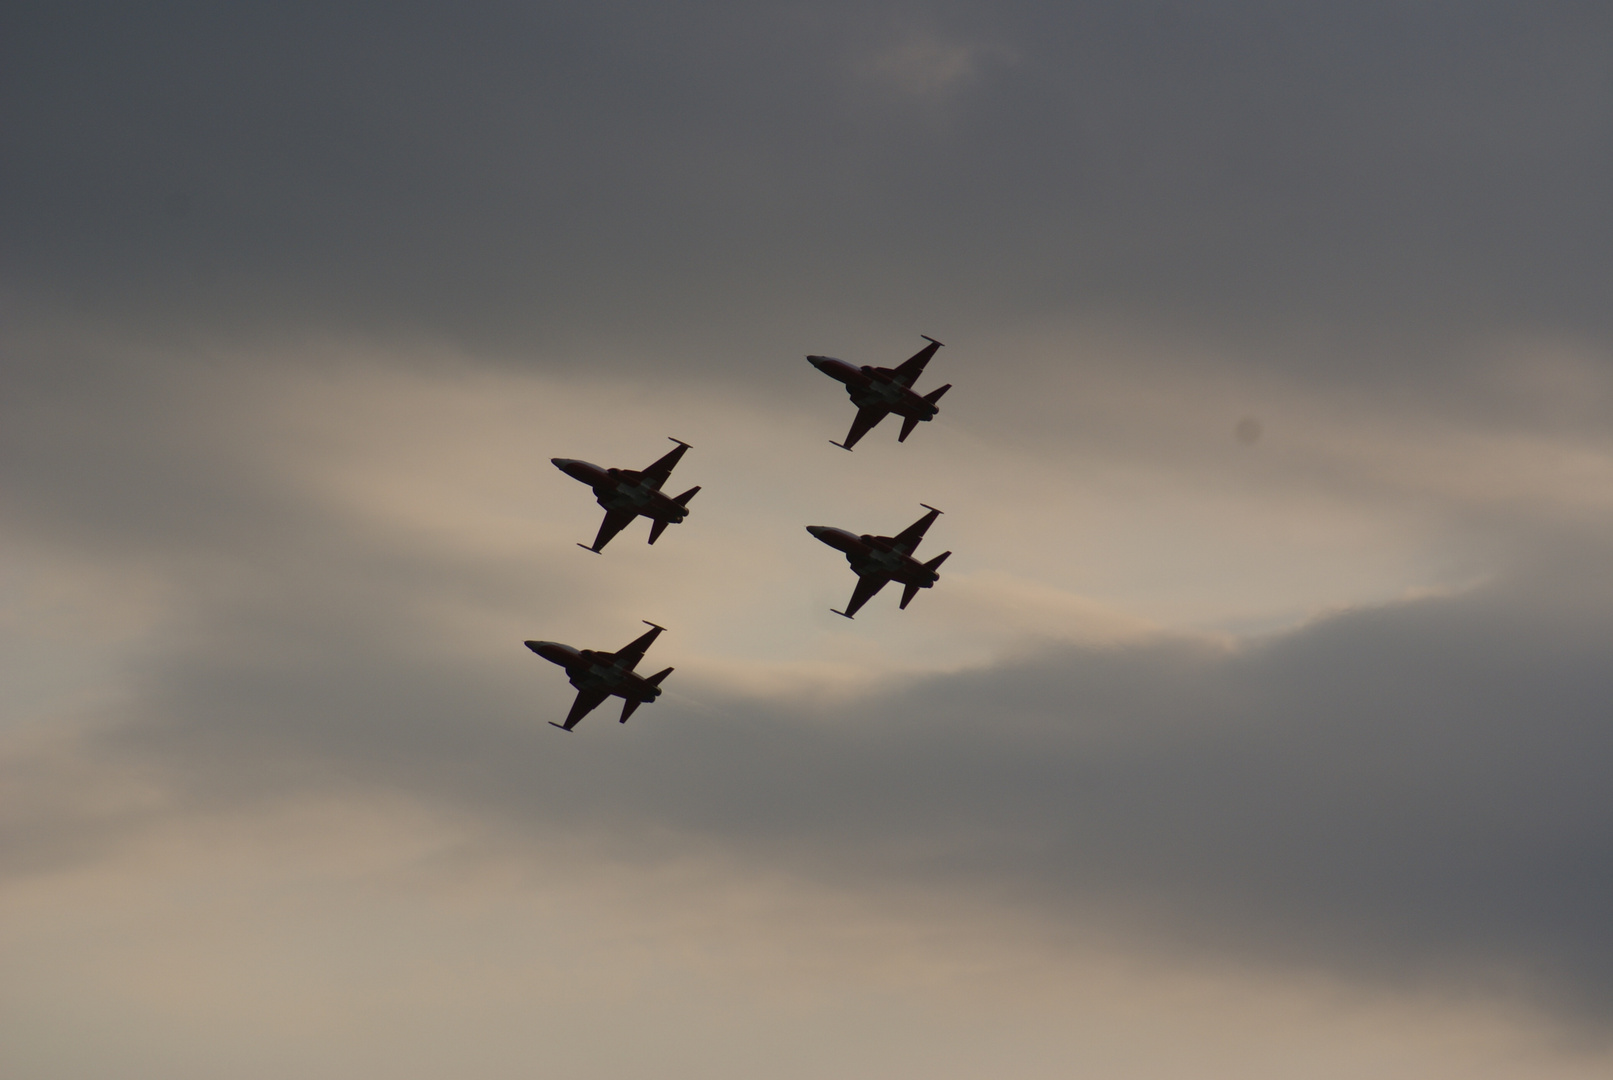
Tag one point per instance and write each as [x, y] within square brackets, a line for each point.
[1417, 790]
[727, 175]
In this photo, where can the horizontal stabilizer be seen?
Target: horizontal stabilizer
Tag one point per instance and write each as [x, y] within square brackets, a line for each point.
[657, 527]
[935, 395]
[683, 500]
[627, 709]
[937, 561]
[908, 594]
[908, 424]
[655, 680]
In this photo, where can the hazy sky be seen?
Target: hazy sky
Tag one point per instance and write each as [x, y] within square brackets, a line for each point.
[1259, 726]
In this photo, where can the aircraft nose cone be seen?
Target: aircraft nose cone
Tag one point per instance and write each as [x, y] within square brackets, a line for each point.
[817, 530]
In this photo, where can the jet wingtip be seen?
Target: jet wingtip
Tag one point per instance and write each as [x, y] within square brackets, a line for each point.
[932, 509]
[842, 446]
[658, 626]
[931, 340]
[595, 550]
[842, 614]
[562, 727]
[680, 442]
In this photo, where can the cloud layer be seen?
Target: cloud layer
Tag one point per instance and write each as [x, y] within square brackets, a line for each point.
[514, 175]
[1303, 729]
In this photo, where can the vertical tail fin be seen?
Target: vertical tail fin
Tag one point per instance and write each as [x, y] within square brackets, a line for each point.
[937, 561]
[908, 424]
[908, 594]
[657, 527]
[627, 709]
[683, 500]
[935, 395]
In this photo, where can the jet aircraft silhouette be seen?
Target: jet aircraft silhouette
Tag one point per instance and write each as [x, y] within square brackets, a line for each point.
[625, 494]
[877, 392]
[598, 675]
[879, 560]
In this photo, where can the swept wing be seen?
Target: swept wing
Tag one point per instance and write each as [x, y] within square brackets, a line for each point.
[657, 474]
[587, 701]
[867, 587]
[615, 521]
[629, 655]
[864, 422]
[913, 367]
[908, 539]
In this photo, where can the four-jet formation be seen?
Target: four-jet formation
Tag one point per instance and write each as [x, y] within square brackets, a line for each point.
[877, 392]
[599, 675]
[626, 494]
[879, 560]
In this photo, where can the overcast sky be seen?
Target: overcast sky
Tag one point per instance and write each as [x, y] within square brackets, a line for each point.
[1259, 726]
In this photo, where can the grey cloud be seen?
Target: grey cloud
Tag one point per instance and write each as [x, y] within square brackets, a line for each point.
[1416, 790]
[1390, 790]
[1396, 790]
[525, 177]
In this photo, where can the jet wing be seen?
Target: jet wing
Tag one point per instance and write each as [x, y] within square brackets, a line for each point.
[629, 655]
[913, 367]
[587, 701]
[615, 521]
[864, 592]
[863, 424]
[908, 539]
[657, 474]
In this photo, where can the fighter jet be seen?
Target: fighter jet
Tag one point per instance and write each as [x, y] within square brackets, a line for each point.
[598, 675]
[626, 494]
[882, 559]
[878, 391]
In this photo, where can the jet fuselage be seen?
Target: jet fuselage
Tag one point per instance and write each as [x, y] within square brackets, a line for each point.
[870, 554]
[590, 670]
[616, 489]
[872, 386]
